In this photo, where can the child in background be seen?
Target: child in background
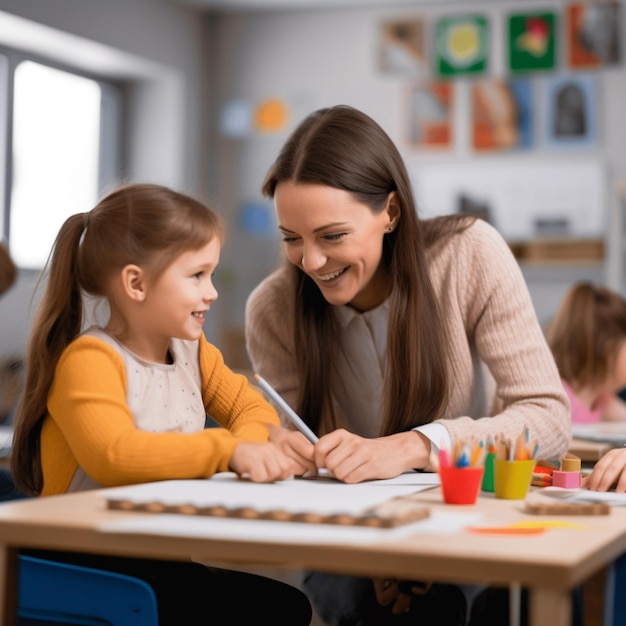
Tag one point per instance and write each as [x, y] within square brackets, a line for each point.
[588, 340]
[126, 402]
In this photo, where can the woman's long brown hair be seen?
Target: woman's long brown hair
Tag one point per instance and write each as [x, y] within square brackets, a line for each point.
[148, 225]
[343, 148]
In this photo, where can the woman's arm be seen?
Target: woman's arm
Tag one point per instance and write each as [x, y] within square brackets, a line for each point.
[486, 299]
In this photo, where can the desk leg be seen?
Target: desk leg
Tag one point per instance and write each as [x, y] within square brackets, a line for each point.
[550, 606]
[8, 585]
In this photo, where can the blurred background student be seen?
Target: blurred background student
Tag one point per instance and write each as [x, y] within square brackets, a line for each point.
[587, 337]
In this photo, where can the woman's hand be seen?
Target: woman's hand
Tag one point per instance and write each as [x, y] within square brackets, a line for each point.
[262, 462]
[353, 459]
[609, 471]
[296, 446]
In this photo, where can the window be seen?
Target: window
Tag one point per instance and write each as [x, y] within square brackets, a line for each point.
[57, 159]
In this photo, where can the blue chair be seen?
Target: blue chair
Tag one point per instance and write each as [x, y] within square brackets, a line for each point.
[614, 600]
[60, 593]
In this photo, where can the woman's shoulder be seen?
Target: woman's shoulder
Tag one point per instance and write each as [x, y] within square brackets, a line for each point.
[480, 234]
[479, 243]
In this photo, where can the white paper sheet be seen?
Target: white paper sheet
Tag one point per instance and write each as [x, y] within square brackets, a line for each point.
[324, 496]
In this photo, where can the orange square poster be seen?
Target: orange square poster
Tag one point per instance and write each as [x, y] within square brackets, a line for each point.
[430, 115]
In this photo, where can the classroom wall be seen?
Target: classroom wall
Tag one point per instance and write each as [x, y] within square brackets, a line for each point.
[311, 59]
[158, 50]
[185, 66]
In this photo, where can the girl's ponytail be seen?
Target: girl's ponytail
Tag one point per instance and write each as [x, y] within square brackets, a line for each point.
[57, 322]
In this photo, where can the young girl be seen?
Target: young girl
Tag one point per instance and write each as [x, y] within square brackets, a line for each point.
[588, 340]
[126, 402]
[380, 327]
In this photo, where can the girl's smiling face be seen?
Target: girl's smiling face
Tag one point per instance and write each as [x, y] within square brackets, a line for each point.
[336, 240]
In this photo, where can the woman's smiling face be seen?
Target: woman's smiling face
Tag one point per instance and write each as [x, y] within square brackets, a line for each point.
[336, 240]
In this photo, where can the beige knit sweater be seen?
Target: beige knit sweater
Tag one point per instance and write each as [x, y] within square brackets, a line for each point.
[491, 322]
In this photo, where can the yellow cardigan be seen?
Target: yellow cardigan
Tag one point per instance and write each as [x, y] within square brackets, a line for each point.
[90, 424]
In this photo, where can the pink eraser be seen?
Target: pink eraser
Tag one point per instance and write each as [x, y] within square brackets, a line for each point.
[568, 480]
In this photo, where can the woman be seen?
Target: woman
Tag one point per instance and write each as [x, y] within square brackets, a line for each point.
[382, 330]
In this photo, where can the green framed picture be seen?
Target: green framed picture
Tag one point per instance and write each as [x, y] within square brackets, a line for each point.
[532, 41]
[462, 45]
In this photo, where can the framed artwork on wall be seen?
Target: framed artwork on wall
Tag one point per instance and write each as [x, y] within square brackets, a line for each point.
[430, 115]
[593, 34]
[532, 41]
[502, 114]
[402, 47]
[571, 111]
[462, 45]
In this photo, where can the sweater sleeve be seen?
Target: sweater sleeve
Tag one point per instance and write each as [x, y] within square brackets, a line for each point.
[231, 400]
[89, 424]
[499, 320]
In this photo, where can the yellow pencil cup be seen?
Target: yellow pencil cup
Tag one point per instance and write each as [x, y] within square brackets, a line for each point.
[513, 478]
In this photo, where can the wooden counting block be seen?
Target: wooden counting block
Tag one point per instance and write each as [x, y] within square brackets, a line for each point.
[122, 505]
[309, 518]
[154, 507]
[278, 515]
[186, 509]
[214, 511]
[567, 508]
[246, 512]
[342, 519]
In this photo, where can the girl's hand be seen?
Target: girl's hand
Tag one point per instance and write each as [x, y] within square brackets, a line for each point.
[296, 446]
[262, 462]
[609, 471]
[353, 459]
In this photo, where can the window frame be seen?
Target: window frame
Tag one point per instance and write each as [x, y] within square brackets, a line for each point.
[110, 148]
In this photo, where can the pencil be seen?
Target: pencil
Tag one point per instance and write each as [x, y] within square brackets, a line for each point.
[294, 418]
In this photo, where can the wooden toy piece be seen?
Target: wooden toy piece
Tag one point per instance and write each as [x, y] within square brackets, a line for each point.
[309, 518]
[567, 508]
[278, 515]
[342, 519]
[245, 512]
[570, 463]
[122, 505]
[155, 507]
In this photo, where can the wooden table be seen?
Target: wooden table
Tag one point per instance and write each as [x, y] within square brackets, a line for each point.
[549, 564]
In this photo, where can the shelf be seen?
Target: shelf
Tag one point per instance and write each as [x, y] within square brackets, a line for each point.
[561, 251]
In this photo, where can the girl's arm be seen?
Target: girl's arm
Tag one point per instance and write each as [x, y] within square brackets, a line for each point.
[90, 425]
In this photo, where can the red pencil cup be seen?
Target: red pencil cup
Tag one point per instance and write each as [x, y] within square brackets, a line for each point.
[460, 485]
